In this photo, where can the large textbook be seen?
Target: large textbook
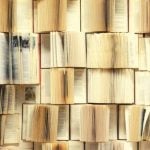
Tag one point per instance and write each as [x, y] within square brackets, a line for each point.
[19, 59]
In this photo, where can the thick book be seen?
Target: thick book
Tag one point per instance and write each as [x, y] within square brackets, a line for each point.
[110, 86]
[112, 50]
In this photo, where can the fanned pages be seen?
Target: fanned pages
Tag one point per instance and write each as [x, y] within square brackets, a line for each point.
[144, 53]
[117, 15]
[142, 85]
[139, 16]
[73, 15]
[63, 49]
[4, 16]
[97, 119]
[110, 86]
[46, 117]
[103, 52]
[25, 59]
[51, 15]
[93, 20]
[22, 16]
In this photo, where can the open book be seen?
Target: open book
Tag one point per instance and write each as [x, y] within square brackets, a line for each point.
[111, 15]
[9, 129]
[4, 15]
[70, 84]
[112, 50]
[110, 86]
[75, 122]
[40, 123]
[97, 119]
[63, 49]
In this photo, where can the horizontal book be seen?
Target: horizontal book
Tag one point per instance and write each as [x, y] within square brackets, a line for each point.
[51, 15]
[22, 16]
[75, 122]
[139, 16]
[110, 86]
[9, 129]
[97, 119]
[46, 117]
[70, 84]
[113, 145]
[4, 15]
[63, 49]
[112, 50]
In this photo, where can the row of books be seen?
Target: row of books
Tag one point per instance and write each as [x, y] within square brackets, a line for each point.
[21, 52]
[95, 50]
[53, 123]
[75, 87]
[76, 145]
[75, 15]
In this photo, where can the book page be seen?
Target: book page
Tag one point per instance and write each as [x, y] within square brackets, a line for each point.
[76, 145]
[45, 86]
[22, 14]
[80, 86]
[63, 123]
[73, 15]
[45, 50]
[4, 61]
[144, 145]
[117, 15]
[11, 129]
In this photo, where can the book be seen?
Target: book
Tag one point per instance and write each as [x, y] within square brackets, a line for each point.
[63, 49]
[142, 84]
[46, 116]
[113, 145]
[117, 15]
[110, 86]
[4, 15]
[144, 53]
[9, 129]
[139, 16]
[74, 80]
[51, 15]
[25, 58]
[75, 122]
[95, 20]
[22, 16]
[97, 118]
[73, 15]
[103, 52]
[7, 99]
